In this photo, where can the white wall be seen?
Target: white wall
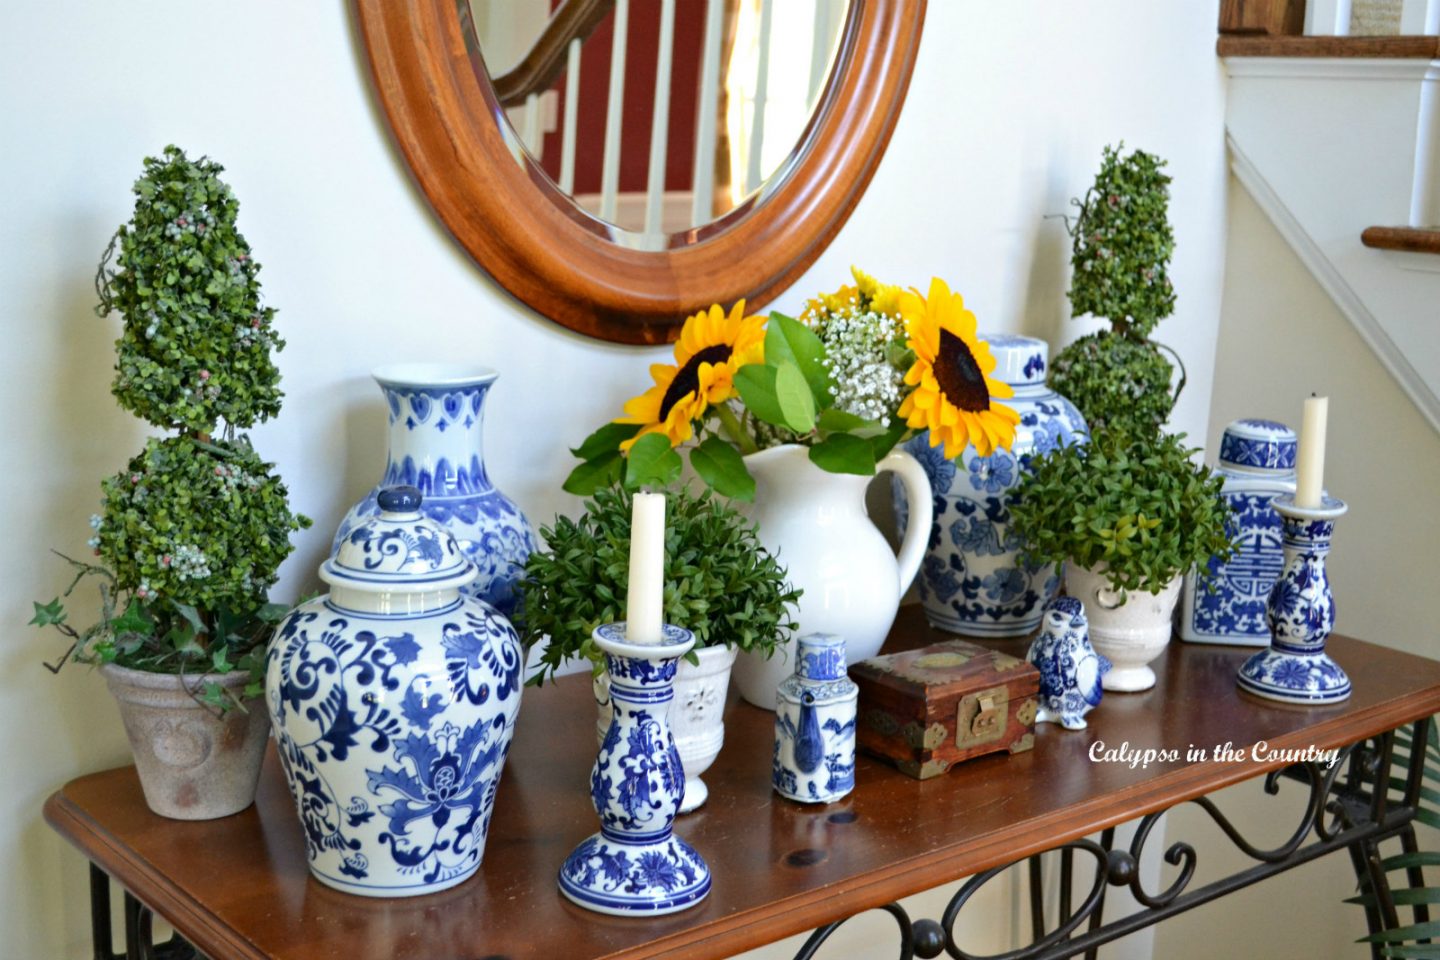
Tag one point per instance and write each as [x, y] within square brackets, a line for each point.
[1009, 108]
[1281, 337]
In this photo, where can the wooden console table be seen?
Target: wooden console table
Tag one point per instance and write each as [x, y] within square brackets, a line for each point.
[238, 888]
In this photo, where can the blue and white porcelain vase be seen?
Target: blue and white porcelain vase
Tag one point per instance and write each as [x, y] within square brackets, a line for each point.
[393, 699]
[972, 581]
[1226, 602]
[814, 759]
[437, 414]
[1070, 668]
[1301, 612]
[635, 865]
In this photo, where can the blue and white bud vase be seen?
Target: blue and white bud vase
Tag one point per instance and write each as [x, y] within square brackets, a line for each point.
[972, 581]
[814, 759]
[1301, 611]
[437, 414]
[635, 865]
[394, 699]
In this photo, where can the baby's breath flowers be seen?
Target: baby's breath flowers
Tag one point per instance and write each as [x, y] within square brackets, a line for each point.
[865, 351]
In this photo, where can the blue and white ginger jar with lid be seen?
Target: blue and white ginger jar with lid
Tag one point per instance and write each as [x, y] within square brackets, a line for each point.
[972, 581]
[437, 418]
[394, 699]
[1257, 462]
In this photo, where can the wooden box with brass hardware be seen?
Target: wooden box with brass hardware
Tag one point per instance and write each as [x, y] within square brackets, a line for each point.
[926, 710]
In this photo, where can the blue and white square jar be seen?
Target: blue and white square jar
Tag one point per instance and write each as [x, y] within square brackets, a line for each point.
[815, 708]
[972, 580]
[1257, 462]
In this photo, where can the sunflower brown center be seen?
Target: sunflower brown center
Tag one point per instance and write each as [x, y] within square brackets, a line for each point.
[959, 375]
[687, 378]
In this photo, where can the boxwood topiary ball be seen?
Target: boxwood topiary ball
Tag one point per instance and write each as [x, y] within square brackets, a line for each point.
[1119, 383]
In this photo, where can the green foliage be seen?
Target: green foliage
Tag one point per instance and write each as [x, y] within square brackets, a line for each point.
[1122, 243]
[194, 529]
[202, 524]
[720, 582]
[196, 343]
[1119, 384]
[1140, 508]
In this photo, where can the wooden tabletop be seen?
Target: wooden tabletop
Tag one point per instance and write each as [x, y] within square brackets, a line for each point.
[239, 888]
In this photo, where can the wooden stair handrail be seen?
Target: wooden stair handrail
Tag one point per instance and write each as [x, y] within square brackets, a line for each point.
[1397, 47]
[1410, 239]
[575, 20]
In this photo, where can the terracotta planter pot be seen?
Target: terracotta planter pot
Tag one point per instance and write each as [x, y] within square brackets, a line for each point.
[193, 765]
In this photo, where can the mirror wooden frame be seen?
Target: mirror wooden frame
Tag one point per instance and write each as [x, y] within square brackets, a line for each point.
[540, 246]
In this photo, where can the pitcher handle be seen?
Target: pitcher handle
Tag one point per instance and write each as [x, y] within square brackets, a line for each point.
[922, 511]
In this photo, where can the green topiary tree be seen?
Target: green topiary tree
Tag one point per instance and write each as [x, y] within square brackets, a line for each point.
[1121, 247]
[194, 529]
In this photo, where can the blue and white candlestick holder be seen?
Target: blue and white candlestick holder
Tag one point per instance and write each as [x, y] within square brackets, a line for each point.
[1301, 614]
[635, 865]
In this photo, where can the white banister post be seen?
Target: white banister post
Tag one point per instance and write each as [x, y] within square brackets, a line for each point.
[614, 110]
[660, 122]
[703, 185]
[1327, 18]
[572, 107]
[753, 173]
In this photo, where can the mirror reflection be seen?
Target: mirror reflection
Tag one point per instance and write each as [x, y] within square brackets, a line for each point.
[658, 116]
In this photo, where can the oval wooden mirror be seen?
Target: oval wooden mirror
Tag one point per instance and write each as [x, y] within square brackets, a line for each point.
[629, 266]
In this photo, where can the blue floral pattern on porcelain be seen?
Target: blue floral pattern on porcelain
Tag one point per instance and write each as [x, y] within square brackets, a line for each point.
[972, 580]
[1226, 602]
[814, 756]
[1301, 614]
[435, 445]
[393, 728]
[636, 865]
[1070, 668]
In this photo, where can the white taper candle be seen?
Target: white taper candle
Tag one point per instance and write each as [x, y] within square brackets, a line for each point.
[1310, 459]
[644, 616]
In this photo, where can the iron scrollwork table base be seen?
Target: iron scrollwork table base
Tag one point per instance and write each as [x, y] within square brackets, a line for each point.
[238, 888]
[1344, 810]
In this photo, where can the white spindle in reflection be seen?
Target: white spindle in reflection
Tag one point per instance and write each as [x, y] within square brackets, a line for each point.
[706, 115]
[819, 48]
[572, 106]
[762, 82]
[660, 122]
[610, 165]
[531, 136]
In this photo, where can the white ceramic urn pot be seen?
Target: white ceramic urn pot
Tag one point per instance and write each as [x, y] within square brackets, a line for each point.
[1132, 629]
[816, 526]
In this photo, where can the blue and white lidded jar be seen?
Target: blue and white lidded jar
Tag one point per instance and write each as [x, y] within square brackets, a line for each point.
[972, 581]
[394, 699]
[437, 418]
[814, 760]
[1257, 462]
[636, 865]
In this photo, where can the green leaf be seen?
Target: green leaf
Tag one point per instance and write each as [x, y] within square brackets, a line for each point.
[797, 403]
[652, 461]
[135, 619]
[606, 440]
[1409, 932]
[792, 341]
[720, 465]
[756, 385]
[838, 421]
[883, 444]
[219, 661]
[593, 475]
[182, 638]
[843, 453]
[48, 614]
[272, 612]
[192, 617]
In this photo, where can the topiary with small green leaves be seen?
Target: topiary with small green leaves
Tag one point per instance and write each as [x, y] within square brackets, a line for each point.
[720, 583]
[1121, 247]
[1122, 242]
[196, 344]
[192, 532]
[1141, 509]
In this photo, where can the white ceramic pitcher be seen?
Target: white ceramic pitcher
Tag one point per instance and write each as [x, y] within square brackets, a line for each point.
[816, 525]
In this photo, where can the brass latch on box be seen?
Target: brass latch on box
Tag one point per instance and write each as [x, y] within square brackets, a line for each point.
[982, 717]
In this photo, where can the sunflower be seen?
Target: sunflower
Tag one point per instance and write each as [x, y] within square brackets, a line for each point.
[711, 348]
[881, 297]
[954, 398]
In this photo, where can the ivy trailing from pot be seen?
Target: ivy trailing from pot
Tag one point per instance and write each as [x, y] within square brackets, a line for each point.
[862, 370]
[1120, 254]
[192, 531]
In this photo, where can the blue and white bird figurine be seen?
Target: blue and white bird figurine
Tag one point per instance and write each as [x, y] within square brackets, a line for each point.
[1070, 669]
